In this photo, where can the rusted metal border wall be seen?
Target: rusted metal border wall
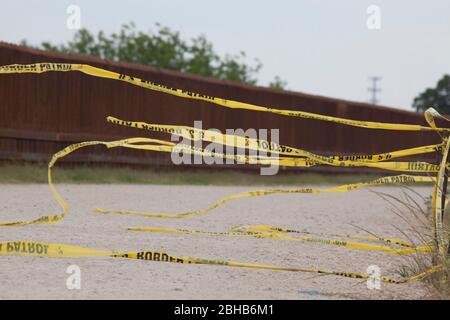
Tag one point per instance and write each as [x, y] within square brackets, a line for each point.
[41, 114]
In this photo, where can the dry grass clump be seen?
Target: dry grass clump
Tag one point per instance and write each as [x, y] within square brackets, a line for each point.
[421, 232]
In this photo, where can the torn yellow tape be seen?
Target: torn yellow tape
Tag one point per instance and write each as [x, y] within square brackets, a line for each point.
[265, 228]
[297, 157]
[102, 73]
[280, 236]
[264, 147]
[165, 146]
[261, 235]
[55, 250]
[439, 192]
[399, 179]
[49, 219]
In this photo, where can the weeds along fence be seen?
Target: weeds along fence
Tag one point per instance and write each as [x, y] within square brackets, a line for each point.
[43, 114]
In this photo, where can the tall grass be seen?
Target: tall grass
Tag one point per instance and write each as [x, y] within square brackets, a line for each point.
[416, 211]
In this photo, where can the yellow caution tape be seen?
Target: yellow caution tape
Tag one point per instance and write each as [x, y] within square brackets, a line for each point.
[264, 146]
[399, 179]
[164, 146]
[280, 236]
[196, 134]
[437, 207]
[102, 73]
[55, 250]
[267, 228]
[430, 114]
[290, 157]
[49, 219]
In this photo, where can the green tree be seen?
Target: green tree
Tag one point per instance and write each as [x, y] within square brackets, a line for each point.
[163, 48]
[438, 98]
[278, 83]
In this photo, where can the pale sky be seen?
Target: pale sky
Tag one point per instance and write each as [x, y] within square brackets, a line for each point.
[317, 46]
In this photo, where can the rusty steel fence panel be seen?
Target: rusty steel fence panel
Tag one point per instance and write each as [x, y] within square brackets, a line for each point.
[40, 114]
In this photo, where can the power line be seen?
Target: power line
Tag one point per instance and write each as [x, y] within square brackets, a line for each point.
[374, 89]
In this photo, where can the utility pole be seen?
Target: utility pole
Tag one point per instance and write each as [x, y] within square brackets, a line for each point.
[374, 89]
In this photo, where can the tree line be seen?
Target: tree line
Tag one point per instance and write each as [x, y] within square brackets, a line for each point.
[164, 48]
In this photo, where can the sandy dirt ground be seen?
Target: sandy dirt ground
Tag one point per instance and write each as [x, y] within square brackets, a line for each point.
[105, 278]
